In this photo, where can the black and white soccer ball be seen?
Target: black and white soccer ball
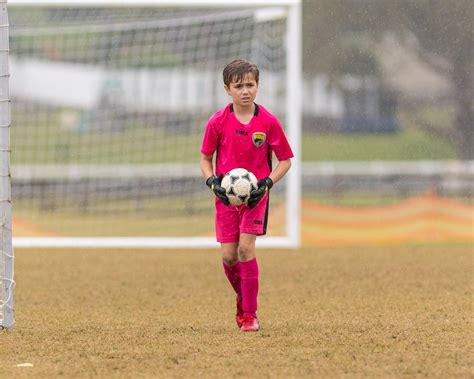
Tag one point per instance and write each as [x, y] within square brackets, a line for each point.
[238, 183]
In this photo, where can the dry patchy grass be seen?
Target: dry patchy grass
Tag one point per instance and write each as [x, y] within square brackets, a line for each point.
[360, 312]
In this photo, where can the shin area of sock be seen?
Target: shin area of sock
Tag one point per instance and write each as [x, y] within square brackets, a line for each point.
[249, 275]
[234, 276]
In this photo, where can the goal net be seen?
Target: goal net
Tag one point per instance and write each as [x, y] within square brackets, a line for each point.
[109, 105]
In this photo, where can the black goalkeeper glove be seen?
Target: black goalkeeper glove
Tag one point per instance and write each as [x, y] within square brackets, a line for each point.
[214, 183]
[256, 195]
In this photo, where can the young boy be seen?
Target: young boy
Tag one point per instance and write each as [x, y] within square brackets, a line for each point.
[243, 134]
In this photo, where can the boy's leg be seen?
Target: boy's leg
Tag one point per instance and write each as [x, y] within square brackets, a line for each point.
[227, 233]
[231, 265]
[249, 274]
[253, 223]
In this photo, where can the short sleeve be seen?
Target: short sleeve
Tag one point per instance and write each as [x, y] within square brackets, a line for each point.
[211, 138]
[278, 141]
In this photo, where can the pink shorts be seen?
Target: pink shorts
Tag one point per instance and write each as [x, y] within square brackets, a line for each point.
[232, 220]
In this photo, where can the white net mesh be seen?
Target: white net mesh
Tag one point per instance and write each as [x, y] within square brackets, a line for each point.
[109, 109]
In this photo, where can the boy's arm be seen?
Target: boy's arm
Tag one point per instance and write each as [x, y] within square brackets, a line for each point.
[280, 170]
[206, 166]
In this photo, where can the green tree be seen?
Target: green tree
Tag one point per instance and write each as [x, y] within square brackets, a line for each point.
[442, 30]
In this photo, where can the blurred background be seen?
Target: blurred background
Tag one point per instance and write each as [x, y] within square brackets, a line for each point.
[109, 107]
[399, 67]
[390, 83]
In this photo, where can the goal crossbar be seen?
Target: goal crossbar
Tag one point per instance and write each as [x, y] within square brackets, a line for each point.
[155, 3]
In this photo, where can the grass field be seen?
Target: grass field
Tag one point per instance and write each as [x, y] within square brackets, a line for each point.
[43, 140]
[402, 311]
[407, 145]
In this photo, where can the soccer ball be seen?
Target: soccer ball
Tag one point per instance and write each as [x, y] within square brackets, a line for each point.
[238, 183]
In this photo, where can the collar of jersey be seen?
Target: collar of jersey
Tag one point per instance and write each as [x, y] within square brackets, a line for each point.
[255, 113]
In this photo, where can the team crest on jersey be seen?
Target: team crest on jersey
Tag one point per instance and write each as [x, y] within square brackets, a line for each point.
[258, 138]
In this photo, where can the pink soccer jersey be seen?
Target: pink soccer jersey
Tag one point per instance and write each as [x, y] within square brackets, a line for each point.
[249, 146]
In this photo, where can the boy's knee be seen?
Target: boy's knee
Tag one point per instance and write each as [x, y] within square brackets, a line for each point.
[229, 257]
[229, 260]
[246, 253]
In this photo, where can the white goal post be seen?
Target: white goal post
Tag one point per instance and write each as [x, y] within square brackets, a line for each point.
[198, 30]
[7, 320]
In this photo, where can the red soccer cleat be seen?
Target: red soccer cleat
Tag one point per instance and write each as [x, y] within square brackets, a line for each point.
[239, 319]
[250, 324]
[239, 315]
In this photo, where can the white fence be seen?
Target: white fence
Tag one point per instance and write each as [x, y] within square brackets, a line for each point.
[403, 178]
[155, 90]
[448, 177]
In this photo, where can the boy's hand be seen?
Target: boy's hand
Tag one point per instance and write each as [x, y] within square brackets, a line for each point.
[214, 183]
[256, 195]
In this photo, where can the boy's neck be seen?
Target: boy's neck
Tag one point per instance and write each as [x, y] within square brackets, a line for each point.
[244, 113]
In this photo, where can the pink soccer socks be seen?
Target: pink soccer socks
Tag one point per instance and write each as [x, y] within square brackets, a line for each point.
[243, 277]
[233, 274]
[239, 314]
[249, 284]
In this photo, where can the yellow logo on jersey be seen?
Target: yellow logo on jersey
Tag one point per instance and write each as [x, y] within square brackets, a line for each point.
[258, 138]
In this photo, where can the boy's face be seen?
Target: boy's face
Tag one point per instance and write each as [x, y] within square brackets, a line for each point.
[243, 93]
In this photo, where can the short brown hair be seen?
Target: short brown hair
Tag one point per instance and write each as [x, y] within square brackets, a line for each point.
[236, 70]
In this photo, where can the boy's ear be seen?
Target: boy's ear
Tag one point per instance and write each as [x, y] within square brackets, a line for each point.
[227, 89]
